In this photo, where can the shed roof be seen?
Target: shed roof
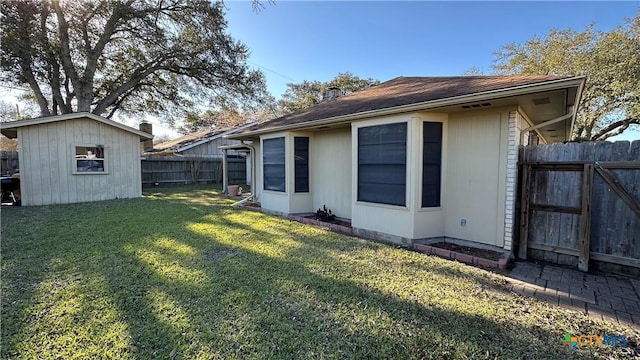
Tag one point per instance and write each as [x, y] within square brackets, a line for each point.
[403, 92]
[9, 129]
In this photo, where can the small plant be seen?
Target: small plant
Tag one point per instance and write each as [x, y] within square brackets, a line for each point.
[325, 214]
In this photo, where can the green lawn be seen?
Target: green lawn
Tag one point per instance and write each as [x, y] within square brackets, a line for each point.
[181, 274]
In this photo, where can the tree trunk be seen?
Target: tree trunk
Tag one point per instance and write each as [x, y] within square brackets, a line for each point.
[85, 96]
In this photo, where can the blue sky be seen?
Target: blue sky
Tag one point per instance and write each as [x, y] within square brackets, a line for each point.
[292, 41]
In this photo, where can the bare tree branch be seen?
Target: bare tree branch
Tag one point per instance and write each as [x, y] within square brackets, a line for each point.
[618, 126]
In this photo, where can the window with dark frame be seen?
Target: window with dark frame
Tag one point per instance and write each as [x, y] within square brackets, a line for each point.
[89, 159]
[273, 164]
[301, 164]
[431, 163]
[382, 164]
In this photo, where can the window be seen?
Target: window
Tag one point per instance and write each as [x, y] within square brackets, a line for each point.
[431, 163]
[273, 164]
[301, 162]
[90, 159]
[382, 164]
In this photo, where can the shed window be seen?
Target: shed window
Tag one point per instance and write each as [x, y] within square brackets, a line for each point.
[90, 159]
[382, 164]
[431, 163]
[301, 162]
[273, 160]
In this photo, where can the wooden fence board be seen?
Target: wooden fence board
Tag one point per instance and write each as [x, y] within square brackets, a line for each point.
[186, 170]
[585, 218]
[561, 222]
[524, 210]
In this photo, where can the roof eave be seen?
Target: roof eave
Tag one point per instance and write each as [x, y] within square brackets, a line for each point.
[431, 104]
[44, 120]
[224, 134]
[576, 105]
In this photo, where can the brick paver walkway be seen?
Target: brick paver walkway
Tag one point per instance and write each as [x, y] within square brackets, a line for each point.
[610, 298]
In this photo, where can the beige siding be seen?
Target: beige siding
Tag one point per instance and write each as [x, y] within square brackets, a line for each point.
[47, 163]
[474, 179]
[475, 176]
[330, 171]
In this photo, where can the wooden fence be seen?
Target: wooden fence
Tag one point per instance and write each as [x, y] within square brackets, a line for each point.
[8, 162]
[580, 205]
[191, 170]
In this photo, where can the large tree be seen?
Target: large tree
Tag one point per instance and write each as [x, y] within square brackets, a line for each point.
[156, 56]
[610, 61]
[309, 93]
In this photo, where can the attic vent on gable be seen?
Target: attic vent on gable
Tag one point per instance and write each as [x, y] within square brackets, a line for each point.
[542, 101]
[476, 105]
[332, 93]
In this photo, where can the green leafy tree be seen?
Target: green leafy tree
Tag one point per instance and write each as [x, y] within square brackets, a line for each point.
[308, 93]
[610, 61]
[161, 57]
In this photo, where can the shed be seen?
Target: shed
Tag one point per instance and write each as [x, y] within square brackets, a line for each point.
[78, 157]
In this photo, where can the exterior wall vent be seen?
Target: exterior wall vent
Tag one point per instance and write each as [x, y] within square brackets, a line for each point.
[476, 105]
[542, 101]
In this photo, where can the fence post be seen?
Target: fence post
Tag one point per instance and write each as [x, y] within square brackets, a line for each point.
[225, 170]
[524, 211]
[585, 218]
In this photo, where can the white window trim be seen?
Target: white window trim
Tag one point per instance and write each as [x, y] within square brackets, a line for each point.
[74, 161]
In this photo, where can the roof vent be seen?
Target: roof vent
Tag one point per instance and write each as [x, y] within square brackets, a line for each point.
[476, 105]
[332, 93]
[542, 101]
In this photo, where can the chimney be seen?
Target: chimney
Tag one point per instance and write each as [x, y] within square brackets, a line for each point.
[147, 145]
[332, 93]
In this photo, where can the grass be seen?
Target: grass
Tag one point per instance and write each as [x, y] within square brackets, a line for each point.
[181, 274]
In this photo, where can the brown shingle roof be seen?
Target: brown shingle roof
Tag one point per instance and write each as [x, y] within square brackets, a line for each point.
[402, 91]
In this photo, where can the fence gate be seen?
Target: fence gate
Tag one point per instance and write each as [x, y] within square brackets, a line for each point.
[581, 202]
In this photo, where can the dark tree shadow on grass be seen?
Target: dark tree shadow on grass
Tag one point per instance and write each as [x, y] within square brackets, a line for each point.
[270, 294]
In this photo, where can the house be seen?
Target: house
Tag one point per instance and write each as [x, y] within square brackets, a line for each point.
[208, 144]
[76, 157]
[414, 157]
[205, 143]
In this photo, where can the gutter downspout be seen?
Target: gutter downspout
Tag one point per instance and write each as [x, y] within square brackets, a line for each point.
[225, 180]
[253, 175]
[546, 123]
[243, 200]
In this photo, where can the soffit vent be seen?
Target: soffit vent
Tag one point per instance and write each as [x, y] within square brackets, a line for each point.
[476, 105]
[542, 101]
